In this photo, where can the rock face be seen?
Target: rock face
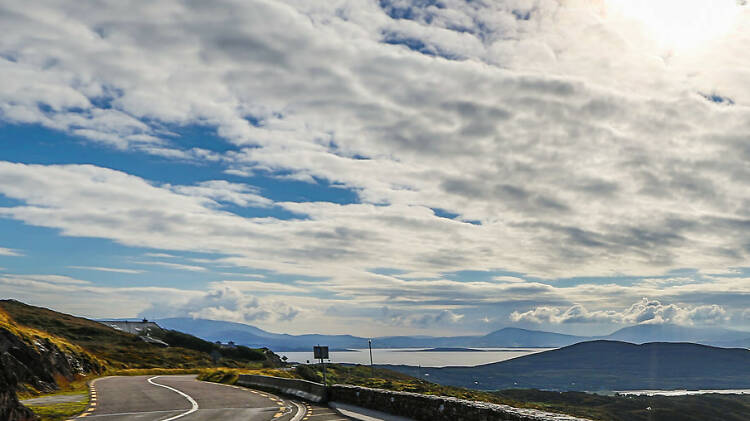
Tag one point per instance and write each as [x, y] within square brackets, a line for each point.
[38, 366]
[10, 408]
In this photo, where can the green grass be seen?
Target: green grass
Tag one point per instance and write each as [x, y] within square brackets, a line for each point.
[62, 411]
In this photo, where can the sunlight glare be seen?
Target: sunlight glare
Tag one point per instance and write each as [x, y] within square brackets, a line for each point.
[679, 24]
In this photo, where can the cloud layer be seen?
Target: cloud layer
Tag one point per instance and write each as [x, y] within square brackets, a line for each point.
[546, 138]
[643, 312]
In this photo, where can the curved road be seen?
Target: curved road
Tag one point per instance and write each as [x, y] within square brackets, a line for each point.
[171, 398]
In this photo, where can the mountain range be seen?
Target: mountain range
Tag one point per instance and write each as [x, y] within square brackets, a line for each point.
[605, 365]
[508, 337]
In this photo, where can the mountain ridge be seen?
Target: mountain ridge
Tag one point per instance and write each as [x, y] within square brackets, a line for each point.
[507, 337]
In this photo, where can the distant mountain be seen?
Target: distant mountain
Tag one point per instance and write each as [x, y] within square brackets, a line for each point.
[252, 336]
[514, 337]
[509, 337]
[606, 365]
[673, 333]
[204, 327]
[243, 334]
[740, 343]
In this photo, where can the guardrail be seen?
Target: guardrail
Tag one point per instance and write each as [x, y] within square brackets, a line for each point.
[310, 391]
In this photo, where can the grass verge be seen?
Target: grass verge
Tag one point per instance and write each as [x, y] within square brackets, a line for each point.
[62, 410]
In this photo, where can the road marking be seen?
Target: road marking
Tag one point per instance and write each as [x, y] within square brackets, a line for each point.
[184, 395]
[120, 414]
[301, 411]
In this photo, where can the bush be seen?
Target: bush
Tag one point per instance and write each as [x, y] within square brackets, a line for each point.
[309, 373]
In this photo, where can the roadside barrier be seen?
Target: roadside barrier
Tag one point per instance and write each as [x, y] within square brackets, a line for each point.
[404, 404]
[303, 389]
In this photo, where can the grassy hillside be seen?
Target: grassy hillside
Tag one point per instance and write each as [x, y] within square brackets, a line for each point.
[120, 350]
[607, 365]
[44, 352]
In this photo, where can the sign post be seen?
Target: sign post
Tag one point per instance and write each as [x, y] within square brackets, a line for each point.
[321, 353]
[372, 368]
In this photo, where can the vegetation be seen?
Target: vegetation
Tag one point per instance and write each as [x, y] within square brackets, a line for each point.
[119, 350]
[97, 349]
[359, 375]
[62, 410]
[586, 405]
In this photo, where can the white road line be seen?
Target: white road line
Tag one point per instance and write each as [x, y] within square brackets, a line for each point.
[185, 395]
[301, 412]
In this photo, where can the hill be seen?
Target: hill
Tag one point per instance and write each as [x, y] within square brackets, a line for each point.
[41, 348]
[514, 337]
[607, 365]
[121, 350]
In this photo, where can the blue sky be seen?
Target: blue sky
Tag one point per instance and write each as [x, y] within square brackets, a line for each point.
[379, 168]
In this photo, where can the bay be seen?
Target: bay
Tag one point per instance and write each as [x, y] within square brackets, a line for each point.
[419, 356]
[683, 392]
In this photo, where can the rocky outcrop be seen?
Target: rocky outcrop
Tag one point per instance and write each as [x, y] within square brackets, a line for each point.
[10, 408]
[38, 366]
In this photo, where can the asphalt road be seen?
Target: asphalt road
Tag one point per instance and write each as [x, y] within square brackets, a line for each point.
[168, 398]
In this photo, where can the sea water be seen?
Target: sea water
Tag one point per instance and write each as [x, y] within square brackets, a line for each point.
[419, 356]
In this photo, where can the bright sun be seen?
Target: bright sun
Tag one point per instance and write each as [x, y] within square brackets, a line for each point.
[679, 24]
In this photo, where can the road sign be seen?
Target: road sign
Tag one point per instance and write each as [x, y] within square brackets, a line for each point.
[320, 352]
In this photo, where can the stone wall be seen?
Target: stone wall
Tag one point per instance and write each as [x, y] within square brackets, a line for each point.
[310, 391]
[410, 405]
[436, 408]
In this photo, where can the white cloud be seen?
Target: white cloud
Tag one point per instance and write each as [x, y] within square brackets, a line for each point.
[227, 302]
[642, 312]
[443, 318]
[49, 279]
[179, 266]
[10, 252]
[84, 298]
[244, 275]
[257, 287]
[105, 269]
[224, 191]
[160, 255]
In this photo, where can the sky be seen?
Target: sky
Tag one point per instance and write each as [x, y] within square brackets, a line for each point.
[388, 167]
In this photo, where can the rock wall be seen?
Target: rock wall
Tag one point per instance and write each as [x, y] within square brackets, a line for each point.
[37, 365]
[10, 408]
[436, 408]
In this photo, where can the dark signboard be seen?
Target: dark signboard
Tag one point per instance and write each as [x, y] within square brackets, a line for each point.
[320, 352]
